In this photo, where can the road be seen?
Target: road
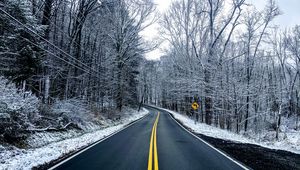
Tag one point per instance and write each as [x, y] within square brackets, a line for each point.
[154, 142]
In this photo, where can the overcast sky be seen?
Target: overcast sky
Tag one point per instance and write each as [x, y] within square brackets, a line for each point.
[290, 17]
[290, 11]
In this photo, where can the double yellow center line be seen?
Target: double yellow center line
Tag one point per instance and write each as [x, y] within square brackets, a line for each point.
[152, 146]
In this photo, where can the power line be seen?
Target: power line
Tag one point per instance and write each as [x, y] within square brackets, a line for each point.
[67, 35]
[59, 29]
[46, 40]
[37, 45]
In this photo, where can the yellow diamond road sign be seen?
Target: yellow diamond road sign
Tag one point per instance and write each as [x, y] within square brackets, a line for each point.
[195, 105]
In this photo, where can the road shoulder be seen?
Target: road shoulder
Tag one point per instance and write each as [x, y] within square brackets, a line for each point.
[49, 155]
[251, 155]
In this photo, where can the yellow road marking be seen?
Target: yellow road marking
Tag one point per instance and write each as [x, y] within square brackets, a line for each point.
[155, 147]
[153, 143]
[150, 151]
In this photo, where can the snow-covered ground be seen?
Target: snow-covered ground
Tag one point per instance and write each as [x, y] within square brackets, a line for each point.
[14, 158]
[291, 142]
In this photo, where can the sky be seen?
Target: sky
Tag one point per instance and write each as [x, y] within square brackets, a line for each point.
[290, 16]
[290, 11]
[152, 32]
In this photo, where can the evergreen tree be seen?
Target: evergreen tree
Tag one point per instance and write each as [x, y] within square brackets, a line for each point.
[20, 49]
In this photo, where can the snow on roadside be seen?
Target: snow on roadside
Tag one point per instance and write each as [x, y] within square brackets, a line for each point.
[291, 143]
[15, 158]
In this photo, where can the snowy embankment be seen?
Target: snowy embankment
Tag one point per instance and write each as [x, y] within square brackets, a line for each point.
[14, 158]
[290, 143]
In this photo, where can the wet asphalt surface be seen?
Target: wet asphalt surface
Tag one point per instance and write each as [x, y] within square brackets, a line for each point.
[176, 150]
[129, 149]
[257, 157]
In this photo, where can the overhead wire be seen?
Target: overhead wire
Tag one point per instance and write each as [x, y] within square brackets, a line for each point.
[38, 46]
[59, 29]
[67, 35]
[19, 22]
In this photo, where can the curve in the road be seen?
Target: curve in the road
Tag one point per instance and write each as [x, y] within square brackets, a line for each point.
[176, 148]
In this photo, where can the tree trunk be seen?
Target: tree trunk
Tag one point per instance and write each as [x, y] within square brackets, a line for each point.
[208, 94]
[278, 122]
[46, 21]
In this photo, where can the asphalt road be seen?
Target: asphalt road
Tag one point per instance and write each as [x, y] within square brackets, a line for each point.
[129, 149]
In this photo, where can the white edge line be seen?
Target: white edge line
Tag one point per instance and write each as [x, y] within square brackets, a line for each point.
[242, 166]
[209, 144]
[101, 140]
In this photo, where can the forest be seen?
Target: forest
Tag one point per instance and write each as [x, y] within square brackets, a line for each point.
[233, 60]
[58, 54]
[228, 56]
[76, 80]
